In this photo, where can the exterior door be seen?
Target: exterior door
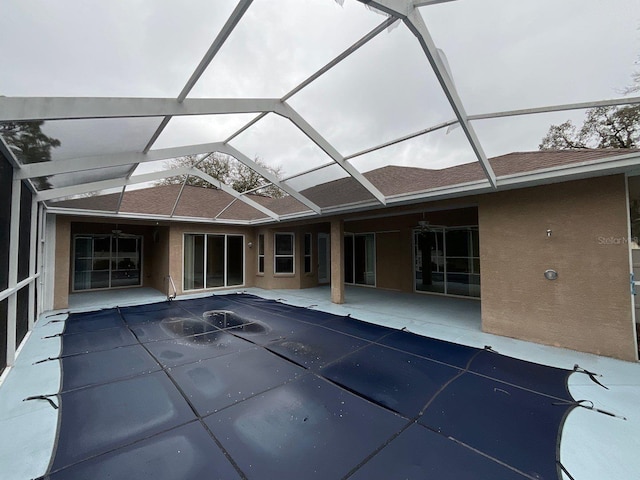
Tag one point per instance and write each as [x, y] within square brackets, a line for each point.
[324, 258]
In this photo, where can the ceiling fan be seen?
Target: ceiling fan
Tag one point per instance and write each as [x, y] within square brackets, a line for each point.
[117, 233]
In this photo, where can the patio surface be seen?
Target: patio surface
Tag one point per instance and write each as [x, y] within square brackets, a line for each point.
[593, 446]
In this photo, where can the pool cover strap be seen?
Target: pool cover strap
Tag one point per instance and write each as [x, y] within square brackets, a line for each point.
[43, 397]
[581, 403]
[577, 368]
[566, 472]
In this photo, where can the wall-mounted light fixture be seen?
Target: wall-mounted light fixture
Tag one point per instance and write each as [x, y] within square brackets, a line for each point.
[551, 275]
[549, 232]
[250, 244]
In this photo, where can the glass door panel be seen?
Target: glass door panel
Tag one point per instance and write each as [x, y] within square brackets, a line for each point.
[106, 261]
[324, 258]
[348, 259]
[193, 261]
[235, 260]
[126, 264]
[429, 261]
[447, 260]
[215, 261]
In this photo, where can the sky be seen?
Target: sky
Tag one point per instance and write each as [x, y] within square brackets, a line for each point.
[503, 55]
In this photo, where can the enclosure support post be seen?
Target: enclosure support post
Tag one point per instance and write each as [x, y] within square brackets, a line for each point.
[14, 234]
[337, 261]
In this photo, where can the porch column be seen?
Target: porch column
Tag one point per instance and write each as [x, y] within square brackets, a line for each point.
[337, 261]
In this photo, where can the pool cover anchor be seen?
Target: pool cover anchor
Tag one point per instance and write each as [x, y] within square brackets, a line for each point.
[48, 359]
[577, 368]
[581, 403]
[43, 397]
[52, 336]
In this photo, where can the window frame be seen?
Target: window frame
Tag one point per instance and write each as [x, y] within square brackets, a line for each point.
[308, 241]
[205, 256]
[277, 256]
[260, 254]
[112, 257]
[353, 236]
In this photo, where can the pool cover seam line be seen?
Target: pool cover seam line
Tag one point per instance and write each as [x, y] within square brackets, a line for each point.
[368, 344]
[109, 382]
[361, 396]
[193, 409]
[415, 419]
[262, 392]
[483, 454]
[411, 422]
[483, 375]
[111, 450]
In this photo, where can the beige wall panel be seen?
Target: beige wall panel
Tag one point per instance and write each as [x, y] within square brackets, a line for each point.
[62, 264]
[391, 263]
[588, 307]
[156, 254]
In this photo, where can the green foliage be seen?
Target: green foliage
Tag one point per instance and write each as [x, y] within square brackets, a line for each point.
[29, 145]
[604, 127]
[27, 141]
[228, 170]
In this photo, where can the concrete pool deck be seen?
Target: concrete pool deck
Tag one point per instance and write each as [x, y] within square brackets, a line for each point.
[594, 446]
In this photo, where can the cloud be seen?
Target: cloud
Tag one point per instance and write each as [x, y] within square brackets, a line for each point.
[503, 55]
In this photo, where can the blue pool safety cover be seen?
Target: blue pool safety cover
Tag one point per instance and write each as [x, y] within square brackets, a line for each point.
[419, 453]
[99, 419]
[171, 353]
[219, 382]
[431, 348]
[73, 344]
[93, 321]
[152, 313]
[515, 426]
[186, 452]
[307, 429]
[315, 347]
[237, 386]
[105, 366]
[399, 381]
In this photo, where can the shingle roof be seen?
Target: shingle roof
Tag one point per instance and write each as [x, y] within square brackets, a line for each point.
[390, 180]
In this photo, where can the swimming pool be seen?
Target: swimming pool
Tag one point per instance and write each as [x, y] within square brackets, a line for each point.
[236, 386]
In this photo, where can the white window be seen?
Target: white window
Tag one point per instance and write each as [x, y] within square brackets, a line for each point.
[284, 257]
[261, 253]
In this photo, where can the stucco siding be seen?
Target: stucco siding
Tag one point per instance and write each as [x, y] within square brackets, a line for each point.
[588, 307]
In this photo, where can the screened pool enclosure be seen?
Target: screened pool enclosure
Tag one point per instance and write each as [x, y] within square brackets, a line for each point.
[95, 101]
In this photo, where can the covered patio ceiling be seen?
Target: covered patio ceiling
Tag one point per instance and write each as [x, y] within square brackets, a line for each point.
[320, 89]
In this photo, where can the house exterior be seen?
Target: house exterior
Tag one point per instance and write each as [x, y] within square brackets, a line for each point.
[549, 255]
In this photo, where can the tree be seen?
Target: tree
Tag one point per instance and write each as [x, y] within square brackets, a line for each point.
[29, 145]
[604, 127]
[27, 141]
[228, 170]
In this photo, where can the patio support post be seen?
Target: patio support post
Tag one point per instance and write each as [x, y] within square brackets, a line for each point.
[337, 261]
[14, 234]
[33, 259]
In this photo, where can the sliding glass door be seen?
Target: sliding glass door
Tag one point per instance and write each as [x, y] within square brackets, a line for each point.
[447, 260]
[360, 258]
[106, 261]
[213, 260]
